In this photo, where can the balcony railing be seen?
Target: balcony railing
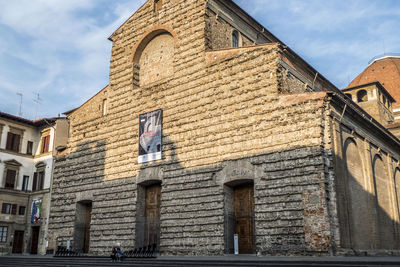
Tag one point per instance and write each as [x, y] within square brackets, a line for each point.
[390, 54]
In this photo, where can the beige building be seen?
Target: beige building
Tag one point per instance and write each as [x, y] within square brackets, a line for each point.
[210, 129]
[26, 165]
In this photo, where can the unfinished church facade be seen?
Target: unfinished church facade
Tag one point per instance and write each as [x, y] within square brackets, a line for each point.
[211, 127]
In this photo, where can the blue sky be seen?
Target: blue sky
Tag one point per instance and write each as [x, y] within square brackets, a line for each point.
[59, 49]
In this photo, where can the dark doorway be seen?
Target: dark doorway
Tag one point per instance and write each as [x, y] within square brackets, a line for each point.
[82, 226]
[152, 214]
[88, 216]
[244, 210]
[35, 239]
[18, 241]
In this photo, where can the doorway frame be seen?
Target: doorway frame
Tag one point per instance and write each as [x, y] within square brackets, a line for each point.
[230, 216]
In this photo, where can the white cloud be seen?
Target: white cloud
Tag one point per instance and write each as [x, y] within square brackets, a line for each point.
[60, 49]
[337, 37]
[62, 45]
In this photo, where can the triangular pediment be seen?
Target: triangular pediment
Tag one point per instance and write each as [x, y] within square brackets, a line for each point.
[12, 162]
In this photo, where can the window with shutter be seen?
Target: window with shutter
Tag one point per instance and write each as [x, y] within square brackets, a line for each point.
[16, 142]
[29, 148]
[25, 183]
[4, 208]
[34, 181]
[10, 179]
[9, 141]
[45, 144]
[40, 180]
[13, 141]
[21, 210]
[14, 209]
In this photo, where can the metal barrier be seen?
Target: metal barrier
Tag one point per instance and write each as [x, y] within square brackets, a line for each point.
[147, 231]
[383, 56]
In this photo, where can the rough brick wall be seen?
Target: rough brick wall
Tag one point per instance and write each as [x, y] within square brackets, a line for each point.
[219, 33]
[221, 110]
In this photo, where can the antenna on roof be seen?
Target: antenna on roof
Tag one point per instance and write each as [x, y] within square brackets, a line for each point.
[37, 101]
[20, 104]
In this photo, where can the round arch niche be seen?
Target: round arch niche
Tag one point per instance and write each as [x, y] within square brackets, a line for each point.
[154, 57]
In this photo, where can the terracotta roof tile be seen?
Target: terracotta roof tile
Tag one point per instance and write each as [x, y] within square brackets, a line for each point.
[387, 72]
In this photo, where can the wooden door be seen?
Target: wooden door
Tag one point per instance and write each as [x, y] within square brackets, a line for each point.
[86, 238]
[244, 207]
[35, 239]
[18, 241]
[153, 204]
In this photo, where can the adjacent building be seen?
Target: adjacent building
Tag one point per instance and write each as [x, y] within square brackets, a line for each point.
[211, 128]
[26, 164]
[377, 90]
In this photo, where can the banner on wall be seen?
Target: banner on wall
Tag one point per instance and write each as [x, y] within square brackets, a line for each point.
[36, 210]
[150, 136]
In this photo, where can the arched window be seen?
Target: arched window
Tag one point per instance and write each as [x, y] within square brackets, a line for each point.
[397, 188]
[384, 209]
[156, 60]
[235, 38]
[356, 197]
[158, 5]
[362, 96]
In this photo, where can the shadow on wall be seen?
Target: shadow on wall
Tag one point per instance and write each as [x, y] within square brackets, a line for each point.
[367, 220]
[196, 205]
[77, 176]
[193, 207]
[199, 206]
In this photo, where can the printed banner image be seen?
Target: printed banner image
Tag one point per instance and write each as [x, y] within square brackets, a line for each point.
[36, 210]
[150, 135]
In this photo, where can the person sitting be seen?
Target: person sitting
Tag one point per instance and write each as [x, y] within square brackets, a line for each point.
[114, 254]
[120, 255]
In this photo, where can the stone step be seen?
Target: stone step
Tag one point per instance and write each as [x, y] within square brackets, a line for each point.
[45, 261]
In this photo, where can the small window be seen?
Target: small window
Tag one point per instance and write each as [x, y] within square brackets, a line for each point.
[349, 96]
[25, 183]
[21, 210]
[44, 147]
[38, 181]
[157, 5]
[10, 179]
[14, 209]
[6, 208]
[362, 96]
[235, 38]
[104, 107]
[29, 148]
[3, 234]
[13, 141]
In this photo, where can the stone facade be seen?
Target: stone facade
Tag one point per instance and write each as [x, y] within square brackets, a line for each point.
[255, 114]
